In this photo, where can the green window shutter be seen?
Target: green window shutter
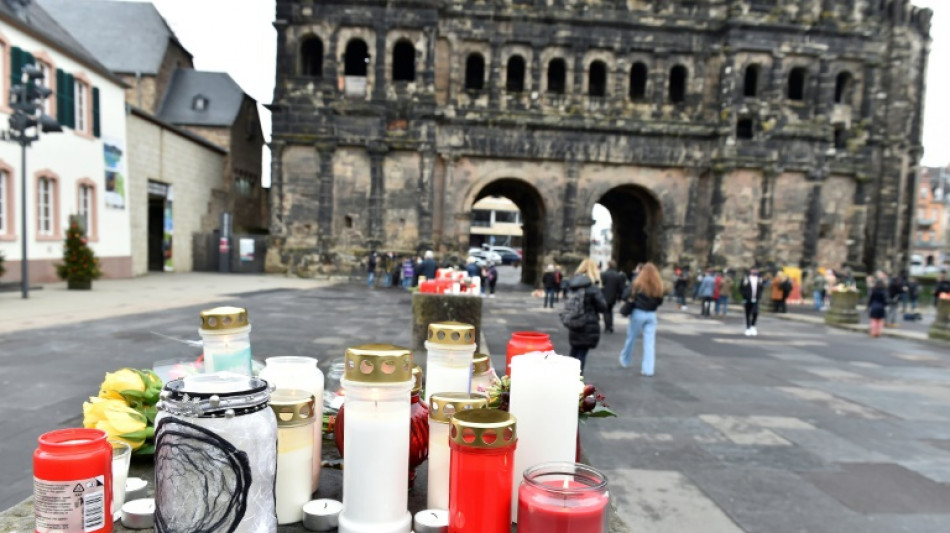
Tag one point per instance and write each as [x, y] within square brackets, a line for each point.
[28, 58]
[16, 63]
[60, 97]
[95, 113]
[69, 90]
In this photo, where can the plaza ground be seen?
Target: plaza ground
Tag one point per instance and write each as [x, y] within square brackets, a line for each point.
[804, 428]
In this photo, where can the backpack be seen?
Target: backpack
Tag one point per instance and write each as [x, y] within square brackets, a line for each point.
[572, 316]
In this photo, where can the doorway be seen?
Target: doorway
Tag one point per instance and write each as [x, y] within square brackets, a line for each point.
[156, 225]
[532, 219]
[635, 226]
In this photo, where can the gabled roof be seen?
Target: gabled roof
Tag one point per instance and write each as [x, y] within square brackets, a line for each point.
[33, 19]
[128, 37]
[222, 99]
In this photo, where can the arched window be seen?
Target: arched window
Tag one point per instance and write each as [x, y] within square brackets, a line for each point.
[475, 72]
[356, 58]
[638, 81]
[843, 84]
[557, 75]
[745, 129]
[515, 81]
[750, 86]
[597, 79]
[796, 83]
[404, 61]
[311, 57]
[678, 77]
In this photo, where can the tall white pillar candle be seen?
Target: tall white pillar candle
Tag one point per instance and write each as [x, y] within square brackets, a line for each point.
[544, 400]
[378, 382]
[449, 352]
[442, 406]
[294, 410]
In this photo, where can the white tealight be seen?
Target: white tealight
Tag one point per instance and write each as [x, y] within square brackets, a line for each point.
[431, 521]
[135, 488]
[321, 515]
[139, 514]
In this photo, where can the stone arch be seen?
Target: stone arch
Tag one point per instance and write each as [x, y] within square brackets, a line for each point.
[637, 214]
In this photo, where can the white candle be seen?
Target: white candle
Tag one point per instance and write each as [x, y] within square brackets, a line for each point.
[431, 521]
[321, 515]
[544, 400]
[441, 408]
[378, 382]
[225, 335]
[481, 374]
[449, 352]
[135, 488]
[294, 410]
[139, 514]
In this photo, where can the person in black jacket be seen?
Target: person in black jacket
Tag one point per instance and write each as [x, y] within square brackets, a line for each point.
[551, 286]
[752, 289]
[428, 266]
[877, 307]
[614, 283]
[647, 295]
[587, 336]
[942, 286]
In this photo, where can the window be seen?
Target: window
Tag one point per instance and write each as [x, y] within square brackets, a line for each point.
[311, 57]
[750, 87]
[3, 65]
[475, 72]
[4, 198]
[506, 217]
[200, 103]
[597, 79]
[86, 207]
[557, 75]
[678, 75]
[796, 84]
[81, 97]
[404, 61]
[481, 218]
[515, 77]
[45, 214]
[638, 82]
[841, 138]
[356, 58]
[45, 82]
[745, 129]
[843, 84]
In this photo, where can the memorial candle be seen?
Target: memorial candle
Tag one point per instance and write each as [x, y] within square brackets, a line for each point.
[225, 336]
[544, 399]
[378, 382]
[563, 498]
[441, 408]
[481, 374]
[449, 350]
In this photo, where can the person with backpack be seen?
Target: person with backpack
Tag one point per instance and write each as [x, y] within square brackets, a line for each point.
[646, 295]
[582, 309]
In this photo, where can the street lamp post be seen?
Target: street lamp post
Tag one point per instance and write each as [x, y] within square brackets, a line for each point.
[26, 100]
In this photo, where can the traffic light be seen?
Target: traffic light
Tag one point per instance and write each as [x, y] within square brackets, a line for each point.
[26, 100]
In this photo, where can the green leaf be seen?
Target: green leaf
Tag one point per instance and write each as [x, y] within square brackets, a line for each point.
[146, 449]
[134, 394]
[150, 413]
[601, 412]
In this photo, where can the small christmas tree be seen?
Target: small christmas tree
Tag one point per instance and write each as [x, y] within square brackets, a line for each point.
[79, 263]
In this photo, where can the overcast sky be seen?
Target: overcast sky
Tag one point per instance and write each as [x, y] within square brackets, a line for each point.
[237, 37]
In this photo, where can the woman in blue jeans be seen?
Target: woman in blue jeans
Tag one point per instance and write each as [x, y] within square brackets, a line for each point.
[647, 296]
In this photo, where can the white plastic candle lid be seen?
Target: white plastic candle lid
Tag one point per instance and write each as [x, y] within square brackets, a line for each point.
[139, 514]
[135, 488]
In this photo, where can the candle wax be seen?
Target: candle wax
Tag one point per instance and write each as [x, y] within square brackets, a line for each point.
[438, 489]
[541, 511]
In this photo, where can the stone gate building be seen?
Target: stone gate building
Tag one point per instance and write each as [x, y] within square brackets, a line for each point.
[734, 132]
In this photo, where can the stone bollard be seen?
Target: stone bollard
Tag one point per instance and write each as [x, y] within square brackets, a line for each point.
[940, 329]
[429, 308]
[843, 308]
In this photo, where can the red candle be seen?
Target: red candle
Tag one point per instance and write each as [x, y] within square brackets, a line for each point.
[525, 342]
[481, 464]
[72, 481]
[563, 498]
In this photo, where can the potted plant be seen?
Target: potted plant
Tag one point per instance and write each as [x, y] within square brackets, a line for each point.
[79, 266]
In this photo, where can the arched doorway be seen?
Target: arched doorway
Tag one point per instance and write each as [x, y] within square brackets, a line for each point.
[635, 226]
[532, 216]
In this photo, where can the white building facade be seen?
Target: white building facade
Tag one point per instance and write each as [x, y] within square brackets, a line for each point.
[81, 171]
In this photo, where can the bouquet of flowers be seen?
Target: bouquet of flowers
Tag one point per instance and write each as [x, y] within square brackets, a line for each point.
[125, 408]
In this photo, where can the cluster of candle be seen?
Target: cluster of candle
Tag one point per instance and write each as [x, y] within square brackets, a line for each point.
[450, 281]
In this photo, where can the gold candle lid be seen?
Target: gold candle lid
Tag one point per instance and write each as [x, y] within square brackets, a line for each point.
[443, 405]
[417, 378]
[455, 333]
[483, 428]
[481, 364]
[224, 318]
[378, 363]
[292, 407]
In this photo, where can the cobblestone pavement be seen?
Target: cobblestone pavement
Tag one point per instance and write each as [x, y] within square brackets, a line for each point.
[801, 429]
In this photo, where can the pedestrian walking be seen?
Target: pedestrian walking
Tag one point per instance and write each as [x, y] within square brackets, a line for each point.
[680, 286]
[551, 286]
[707, 288]
[724, 287]
[913, 293]
[819, 287]
[492, 279]
[564, 284]
[583, 308]
[646, 293]
[371, 268]
[428, 266]
[614, 282]
[777, 292]
[408, 272]
[877, 307]
[942, 287]
[895, 290]
[751, 289]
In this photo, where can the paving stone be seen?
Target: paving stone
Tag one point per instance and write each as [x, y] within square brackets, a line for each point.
[883, 488]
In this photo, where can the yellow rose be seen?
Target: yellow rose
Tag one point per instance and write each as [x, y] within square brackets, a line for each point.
[117, 419]
[118, 382]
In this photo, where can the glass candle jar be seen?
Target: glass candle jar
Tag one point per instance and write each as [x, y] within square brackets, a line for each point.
[563, 498]
[333, 388]
[482, 443]
[418, 427]
[449, 350]
[294, 411]
[64, 459]
[225, 336]
[481, 374]
[301, 373]
[215, 455]
[378, 382]
[522, 342]
[441, 408]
